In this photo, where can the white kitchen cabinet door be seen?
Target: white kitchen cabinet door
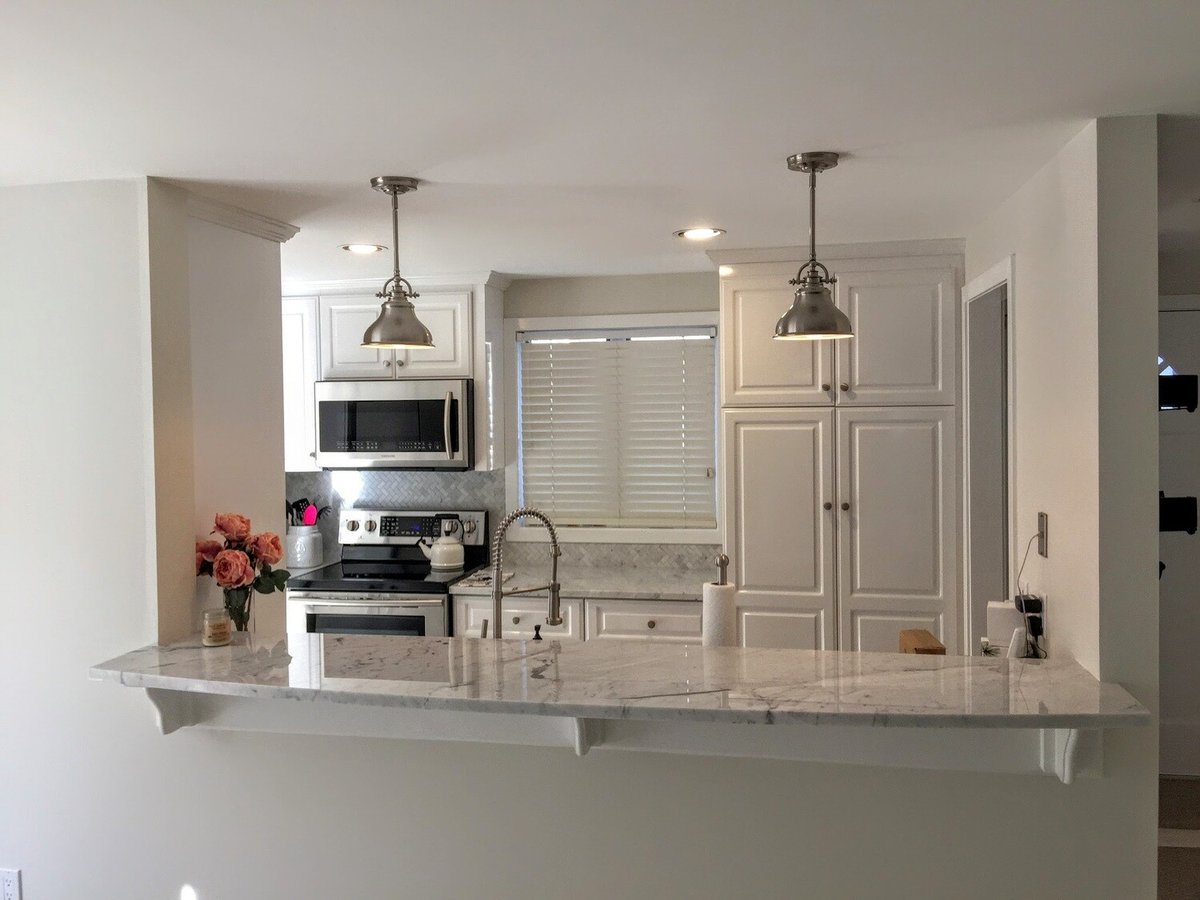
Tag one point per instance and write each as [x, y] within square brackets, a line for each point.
[669, 621]
[448, 318]
[520, 615]
[897, 510]
[756, 369]
[779, 478]
[299, 379]
[343, 321]
[905, 338]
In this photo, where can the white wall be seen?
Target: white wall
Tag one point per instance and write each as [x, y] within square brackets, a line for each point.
[532, 297]
[237, 389]
[1083, 232]
[97, 805]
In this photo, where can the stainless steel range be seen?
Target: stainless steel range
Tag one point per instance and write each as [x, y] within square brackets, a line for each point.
[384, 583]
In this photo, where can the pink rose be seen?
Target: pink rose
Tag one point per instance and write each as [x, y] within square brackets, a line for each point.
[232, 569]
[199, 562]
[267, 547]
[209, 549]
[233, 526]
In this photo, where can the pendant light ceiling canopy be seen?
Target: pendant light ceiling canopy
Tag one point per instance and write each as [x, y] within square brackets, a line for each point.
[397, 327]
[813, 315]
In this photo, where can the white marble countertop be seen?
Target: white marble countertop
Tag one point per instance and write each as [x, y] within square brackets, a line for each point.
[641, 680]
[595, 582]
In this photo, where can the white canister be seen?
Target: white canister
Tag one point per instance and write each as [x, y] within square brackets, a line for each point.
[304, 547]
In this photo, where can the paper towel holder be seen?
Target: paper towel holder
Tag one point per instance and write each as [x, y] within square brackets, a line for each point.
[723, 568]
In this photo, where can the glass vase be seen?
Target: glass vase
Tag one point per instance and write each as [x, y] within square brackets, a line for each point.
[240, 604]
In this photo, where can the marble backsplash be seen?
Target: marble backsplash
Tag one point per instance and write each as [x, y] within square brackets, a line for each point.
[472, 490]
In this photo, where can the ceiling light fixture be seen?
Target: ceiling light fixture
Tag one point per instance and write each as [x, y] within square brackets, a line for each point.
[813, 316]
[363, 249]
[397, 327]
[699, 234]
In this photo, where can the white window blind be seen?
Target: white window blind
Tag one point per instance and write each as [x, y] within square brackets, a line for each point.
[618, 426]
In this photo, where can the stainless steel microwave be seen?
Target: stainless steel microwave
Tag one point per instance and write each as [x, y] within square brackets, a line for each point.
[412, 424]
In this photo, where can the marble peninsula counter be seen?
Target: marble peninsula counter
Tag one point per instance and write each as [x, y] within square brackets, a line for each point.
[973, 713]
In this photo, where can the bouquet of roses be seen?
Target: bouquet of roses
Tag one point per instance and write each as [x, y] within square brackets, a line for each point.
[240, 563]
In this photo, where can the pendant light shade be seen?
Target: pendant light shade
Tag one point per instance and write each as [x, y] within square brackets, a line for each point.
[813, 315]
[397, 327]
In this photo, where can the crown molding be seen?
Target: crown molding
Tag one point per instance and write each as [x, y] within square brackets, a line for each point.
[937, 247]
[358, 285]
[230, 216]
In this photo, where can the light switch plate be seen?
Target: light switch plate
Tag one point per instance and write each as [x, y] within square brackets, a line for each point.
[1043, 534]
[10, 884]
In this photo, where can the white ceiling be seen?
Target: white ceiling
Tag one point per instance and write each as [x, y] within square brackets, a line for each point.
[559, 137]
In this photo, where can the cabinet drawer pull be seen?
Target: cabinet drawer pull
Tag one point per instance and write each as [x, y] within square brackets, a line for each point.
[845, 507]
[650, 624]
[828, 505]
[826, 388]
[845, 387]
[516, 620]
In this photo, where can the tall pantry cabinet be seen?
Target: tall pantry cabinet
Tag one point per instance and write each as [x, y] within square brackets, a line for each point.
[839, 459]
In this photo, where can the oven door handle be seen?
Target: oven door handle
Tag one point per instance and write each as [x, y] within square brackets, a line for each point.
[446, 425]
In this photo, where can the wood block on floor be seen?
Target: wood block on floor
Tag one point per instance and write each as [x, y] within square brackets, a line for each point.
[919, 640]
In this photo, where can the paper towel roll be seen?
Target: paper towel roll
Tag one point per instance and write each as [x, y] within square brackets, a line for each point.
[718, 616]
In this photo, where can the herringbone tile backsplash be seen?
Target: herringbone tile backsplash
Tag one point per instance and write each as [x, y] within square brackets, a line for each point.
[472, 490]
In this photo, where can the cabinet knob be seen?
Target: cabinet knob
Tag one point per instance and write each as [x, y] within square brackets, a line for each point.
[845, 387]
[387, 363]
[828, 504]
[516, 620]
[845, 507]
[650, 624]
[826, 388]
[399, 364]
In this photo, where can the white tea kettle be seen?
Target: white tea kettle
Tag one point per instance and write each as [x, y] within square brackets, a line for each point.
[446, 553]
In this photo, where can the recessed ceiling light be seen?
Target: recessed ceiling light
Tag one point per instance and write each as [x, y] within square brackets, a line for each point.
[364, 249]
[700, 234]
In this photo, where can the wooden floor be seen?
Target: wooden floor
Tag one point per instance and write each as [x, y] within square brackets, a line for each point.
[1179, 821]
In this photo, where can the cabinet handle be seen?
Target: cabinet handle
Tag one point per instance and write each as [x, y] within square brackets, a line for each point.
[650, 624]
[387, 363]
[828, 504]
[826, 388]
[845, 507]
[845, 387]
[516, 620]
[399, 364]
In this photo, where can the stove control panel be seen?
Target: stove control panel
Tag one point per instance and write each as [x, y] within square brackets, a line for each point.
[397, 526]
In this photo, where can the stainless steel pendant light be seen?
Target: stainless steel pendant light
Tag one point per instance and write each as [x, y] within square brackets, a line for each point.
[397, 326]
[813, 316]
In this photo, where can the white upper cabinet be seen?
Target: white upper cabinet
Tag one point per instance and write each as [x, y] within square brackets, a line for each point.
[897, 528]
[344, 319]
[756, 369]
[905, 335]
[448, 318]
[904, 311]
[779, 524]
[299, 375]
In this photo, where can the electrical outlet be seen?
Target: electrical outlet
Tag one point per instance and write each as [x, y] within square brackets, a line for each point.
[10, 884]
[1043, 534]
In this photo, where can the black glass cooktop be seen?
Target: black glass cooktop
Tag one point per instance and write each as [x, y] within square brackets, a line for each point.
[395, 577]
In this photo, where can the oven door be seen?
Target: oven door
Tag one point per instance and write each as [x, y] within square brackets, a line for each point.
[414, 616]
[415, 424]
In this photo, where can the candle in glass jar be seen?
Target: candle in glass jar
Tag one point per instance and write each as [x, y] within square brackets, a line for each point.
[218, 628]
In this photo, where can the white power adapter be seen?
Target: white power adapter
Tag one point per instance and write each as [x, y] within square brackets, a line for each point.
[1019, 644]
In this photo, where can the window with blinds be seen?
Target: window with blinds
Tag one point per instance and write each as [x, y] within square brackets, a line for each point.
[617, 427]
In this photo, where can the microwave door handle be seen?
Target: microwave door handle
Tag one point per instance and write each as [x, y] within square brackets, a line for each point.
[446, 425]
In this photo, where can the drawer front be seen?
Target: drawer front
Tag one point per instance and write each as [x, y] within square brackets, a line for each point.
[643, 620]
[469, 613]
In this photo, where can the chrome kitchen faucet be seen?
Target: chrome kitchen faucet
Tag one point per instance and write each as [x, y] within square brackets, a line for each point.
[554, 607]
